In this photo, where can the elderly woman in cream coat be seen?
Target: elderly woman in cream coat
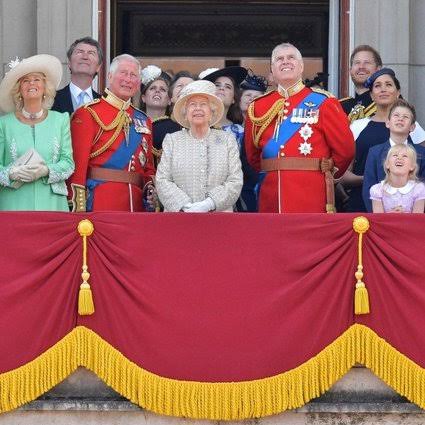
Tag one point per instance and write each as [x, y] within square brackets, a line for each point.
[200, 169]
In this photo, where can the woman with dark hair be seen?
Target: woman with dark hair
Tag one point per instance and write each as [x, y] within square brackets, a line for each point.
[166, 124]
[227, 81]
[385, 90]
[154, 99]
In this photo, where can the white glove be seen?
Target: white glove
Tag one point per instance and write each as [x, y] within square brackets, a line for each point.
[20, 173]
[36, 171]
[202, 206]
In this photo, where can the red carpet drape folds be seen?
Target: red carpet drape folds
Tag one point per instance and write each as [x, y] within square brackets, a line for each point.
[217, 316]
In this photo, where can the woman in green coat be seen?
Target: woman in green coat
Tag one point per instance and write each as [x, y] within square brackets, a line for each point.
[35, 143]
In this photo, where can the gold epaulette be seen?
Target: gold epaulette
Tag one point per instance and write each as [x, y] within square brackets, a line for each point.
[261, 123]
[93, 102]
[164, 117]
[370, 110]
[321, 91]
[265, 94]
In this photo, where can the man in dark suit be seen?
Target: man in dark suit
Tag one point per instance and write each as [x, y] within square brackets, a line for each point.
[84, 60]
[401, 122]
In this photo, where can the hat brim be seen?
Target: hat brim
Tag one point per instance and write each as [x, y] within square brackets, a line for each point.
[237, 73]
[247, 86]
[49, 65]
[179, 108]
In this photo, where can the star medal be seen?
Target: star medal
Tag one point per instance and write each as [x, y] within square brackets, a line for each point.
[305, 148]
[306, 132]
[142, 158]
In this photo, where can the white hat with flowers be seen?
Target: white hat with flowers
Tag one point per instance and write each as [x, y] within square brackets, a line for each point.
[199, 87]
[48, 65]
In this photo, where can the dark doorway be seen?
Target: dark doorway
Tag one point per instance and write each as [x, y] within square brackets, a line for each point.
[195, 35]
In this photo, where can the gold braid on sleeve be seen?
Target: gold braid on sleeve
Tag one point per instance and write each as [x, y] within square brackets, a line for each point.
[261, 123]
[121, 121]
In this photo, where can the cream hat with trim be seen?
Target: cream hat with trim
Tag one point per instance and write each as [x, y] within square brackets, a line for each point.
[203, 88]
[49, 65]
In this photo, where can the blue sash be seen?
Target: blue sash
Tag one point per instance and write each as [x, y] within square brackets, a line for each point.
[120, 158]
[287, 128]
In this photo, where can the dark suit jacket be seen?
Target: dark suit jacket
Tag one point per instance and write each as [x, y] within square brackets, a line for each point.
[374, 169]
[63, 100]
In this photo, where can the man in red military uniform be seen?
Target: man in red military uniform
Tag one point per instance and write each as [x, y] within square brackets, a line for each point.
[296, 137]
[112, 143]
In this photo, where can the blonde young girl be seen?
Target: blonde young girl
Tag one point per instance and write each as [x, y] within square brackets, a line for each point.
[400, 192]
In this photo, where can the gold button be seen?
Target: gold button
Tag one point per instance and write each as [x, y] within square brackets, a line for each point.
[282, 154]
[285, 111]
[287, 103]
[132, 168]
[282, 146]
[285, 117]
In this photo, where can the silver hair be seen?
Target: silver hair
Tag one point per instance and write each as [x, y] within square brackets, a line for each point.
[124, 57]
[285, 46]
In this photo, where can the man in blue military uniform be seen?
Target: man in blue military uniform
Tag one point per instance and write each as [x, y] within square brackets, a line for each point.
[364, 61]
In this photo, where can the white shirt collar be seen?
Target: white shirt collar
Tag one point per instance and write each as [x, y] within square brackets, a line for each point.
[403, 190]
[75, 91]
[394, 143]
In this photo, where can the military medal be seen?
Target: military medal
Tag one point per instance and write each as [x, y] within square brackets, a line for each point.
[138, 126]
[142, 158]
[305, 132]
[305, 148]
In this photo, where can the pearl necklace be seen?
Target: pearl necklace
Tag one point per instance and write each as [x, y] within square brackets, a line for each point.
[32, 116]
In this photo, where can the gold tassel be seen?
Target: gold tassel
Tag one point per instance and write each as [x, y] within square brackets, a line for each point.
[85, 296]
[361, 296]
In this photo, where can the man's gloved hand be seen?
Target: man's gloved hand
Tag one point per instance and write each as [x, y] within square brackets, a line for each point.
[202, 206]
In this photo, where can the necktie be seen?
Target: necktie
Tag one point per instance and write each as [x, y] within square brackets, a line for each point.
[82, 98]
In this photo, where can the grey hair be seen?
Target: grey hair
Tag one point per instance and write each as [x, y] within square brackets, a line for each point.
[48, 97]
[124, 57]
[285, 46]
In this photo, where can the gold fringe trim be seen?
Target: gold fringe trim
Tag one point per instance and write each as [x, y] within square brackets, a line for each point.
[214, 401]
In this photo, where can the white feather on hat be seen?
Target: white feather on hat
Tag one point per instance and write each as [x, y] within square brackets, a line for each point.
[48, 65]
[203, 88]
[150, 73]
[206, 72]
